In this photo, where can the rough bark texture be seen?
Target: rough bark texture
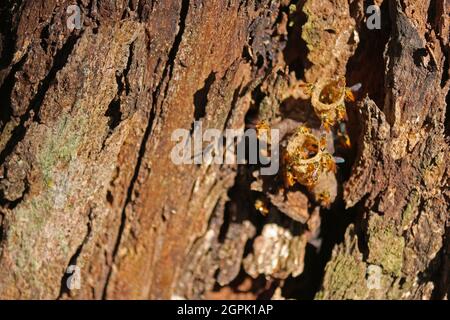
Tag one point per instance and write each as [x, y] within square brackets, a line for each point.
[86, 119]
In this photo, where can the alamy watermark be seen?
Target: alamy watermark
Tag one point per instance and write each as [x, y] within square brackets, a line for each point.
[374, 17]
[235, 146]
[73, 281]
[74, 17]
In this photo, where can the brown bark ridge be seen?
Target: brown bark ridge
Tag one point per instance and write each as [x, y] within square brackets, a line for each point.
[86, 179]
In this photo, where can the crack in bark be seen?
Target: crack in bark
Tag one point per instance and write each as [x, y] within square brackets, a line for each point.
[45, 32]
[201, 97]
[167, 73]
[114, 111]
[6, 91]
[8, 27]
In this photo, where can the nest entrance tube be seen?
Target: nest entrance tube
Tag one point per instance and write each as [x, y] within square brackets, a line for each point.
[331, 93]
[328, 94]
[304, 148]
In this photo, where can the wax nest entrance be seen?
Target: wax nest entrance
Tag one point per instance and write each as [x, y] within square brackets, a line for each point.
[328, 100]
[305, 158]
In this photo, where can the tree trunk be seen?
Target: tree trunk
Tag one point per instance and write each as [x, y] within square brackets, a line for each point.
[87, 184]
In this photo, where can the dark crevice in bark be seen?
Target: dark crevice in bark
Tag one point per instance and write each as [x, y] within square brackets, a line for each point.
[238, 209]
[46, 34]
[113, 111]
[168, 69]
[435, 274]
[367, 66]
[261, 288]
[6, 92]
[123, 88]
[166, 76]
[305, 286]
[128, 9]
[8, 26]
[445, 75]
[128, 68]
[73, 260]
[19, 132]
[201, 97]
[334, 223]
[144, 9]
[296, 50]
[431, 16]
[114, 114]
[225, 225]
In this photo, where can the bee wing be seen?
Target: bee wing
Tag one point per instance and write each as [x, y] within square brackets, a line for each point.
[356, 87]
[339, 160]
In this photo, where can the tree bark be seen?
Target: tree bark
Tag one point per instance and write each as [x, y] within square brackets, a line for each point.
[86, 179]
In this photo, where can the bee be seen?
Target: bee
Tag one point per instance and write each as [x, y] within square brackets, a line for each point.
[328, 163]
[324, 198]
[306, 90]
[341, 113]
[350, 92]
[263, 133]
[304, 130]
[327, 122]
[323, 142]
[261, 206]
[261, 128]
[288, 179]
[343, 137]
